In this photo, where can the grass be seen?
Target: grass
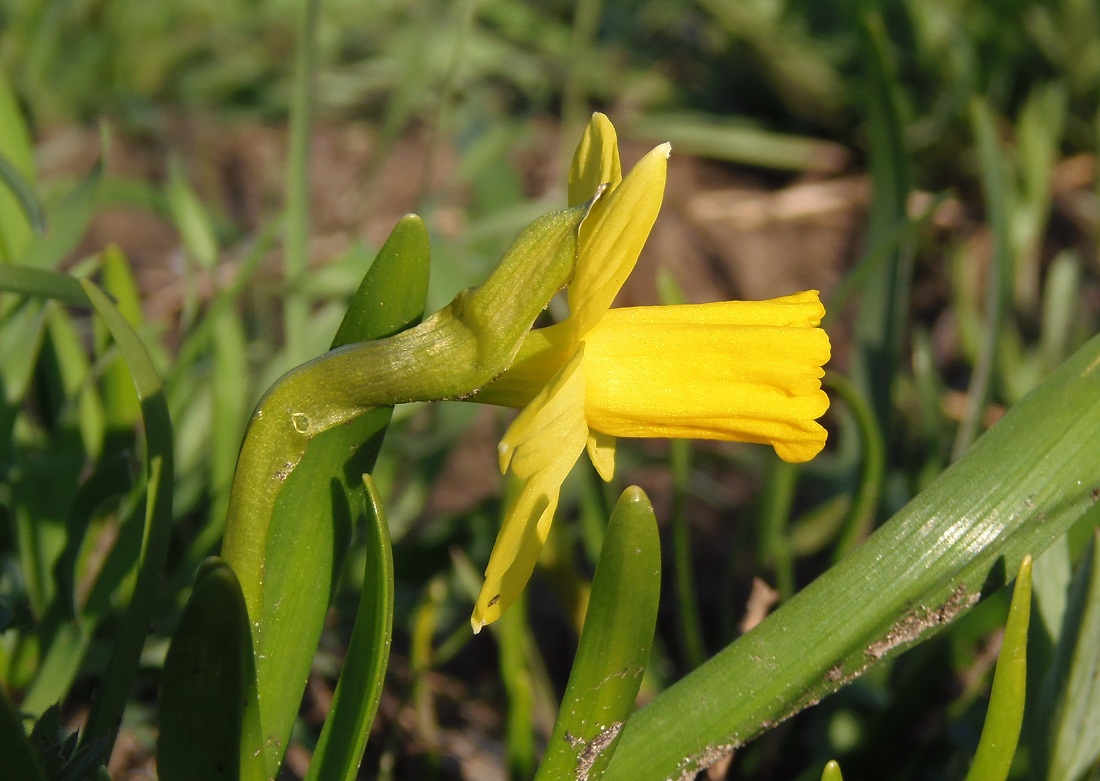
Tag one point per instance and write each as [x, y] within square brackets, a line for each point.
[962, 281]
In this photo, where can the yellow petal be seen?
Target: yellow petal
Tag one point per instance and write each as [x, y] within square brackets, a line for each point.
[538, 451]
[601, 451]
[543, 352]
[743, 371]
[595, 162]
[612, 237]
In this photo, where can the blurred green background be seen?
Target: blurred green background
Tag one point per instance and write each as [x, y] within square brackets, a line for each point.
[929, 165]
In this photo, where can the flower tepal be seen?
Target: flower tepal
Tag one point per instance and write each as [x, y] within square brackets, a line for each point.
[746, 371]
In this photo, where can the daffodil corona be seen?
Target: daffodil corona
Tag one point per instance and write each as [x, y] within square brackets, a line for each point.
[746, 371]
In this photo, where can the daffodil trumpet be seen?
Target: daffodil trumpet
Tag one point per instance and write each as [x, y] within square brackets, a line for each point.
[747, 371]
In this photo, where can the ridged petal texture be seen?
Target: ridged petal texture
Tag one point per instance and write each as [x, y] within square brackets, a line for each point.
[738, 370]
[748, 371]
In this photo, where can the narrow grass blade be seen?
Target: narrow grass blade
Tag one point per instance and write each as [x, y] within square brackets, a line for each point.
[774, 543]
[40, 283]
[999, 290]
[344, 736]
[516, 674]
[1001, 731]
[69, 218]
[691, 625]
[706, 136]
[79, 400]
[1022, 485]
[1070, 703]
[20, 760]
[24, 195]
[861, 514]
[209, 717]
[313, 517]
[230, 391]
[114, 690]
[122, 408]
[614, 646]
[66, 628]
[885, 301]
[16, 150]
[295, 308]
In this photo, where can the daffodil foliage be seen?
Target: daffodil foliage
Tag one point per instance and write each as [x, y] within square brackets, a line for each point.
[747, 371]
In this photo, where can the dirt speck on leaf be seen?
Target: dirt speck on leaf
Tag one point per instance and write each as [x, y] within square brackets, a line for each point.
[920, 619]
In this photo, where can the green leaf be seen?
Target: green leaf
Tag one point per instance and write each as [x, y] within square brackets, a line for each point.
[18, 155]
[20, 760]
[24, 195]
[614, 645]
[320, 501]
[831, 771]
[458, 350]
[41, 283]
[344, 736]
[517, 675]
[998, 292]
[190, 218]
[1069, 705]
[1001, 731]
[1021, 486]
[69, 218]
[114, 689]
[122, 407]
[209, 717]
[296, 244]
[884, 303]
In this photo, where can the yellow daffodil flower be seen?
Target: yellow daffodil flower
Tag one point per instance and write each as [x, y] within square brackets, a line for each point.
[747, 371]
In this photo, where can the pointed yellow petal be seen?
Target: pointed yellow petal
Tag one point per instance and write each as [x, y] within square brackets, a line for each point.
[612, 237]
[601, 451]
[595, 162]
[744, 371]
[538, 451]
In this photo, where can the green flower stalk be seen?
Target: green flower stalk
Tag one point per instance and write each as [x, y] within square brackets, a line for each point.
[450, 355]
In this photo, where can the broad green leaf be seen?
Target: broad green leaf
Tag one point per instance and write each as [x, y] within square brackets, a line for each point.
[1069, 706]
[1021, 486]
[1001, 731]
[344, 736]
[209, 717]
[321, 500]
[114, 689]
[614, 645]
